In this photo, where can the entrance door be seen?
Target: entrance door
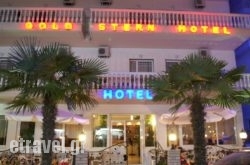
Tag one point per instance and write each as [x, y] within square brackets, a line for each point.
[126, 128]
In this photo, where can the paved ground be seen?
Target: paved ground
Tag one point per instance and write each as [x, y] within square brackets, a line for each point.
[238, 158]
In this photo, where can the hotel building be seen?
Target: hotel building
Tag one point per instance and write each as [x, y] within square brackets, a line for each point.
[136, 39]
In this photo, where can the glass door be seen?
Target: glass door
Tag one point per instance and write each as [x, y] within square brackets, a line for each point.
[133, 142]
[126, 129]
[117, 132]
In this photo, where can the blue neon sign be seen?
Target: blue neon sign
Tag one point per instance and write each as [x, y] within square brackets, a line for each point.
[131, 94]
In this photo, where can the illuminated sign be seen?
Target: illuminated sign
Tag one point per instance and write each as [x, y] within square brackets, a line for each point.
[115, 27]
[126, 27]
[203, 29]
[131, 94]
[48, 26]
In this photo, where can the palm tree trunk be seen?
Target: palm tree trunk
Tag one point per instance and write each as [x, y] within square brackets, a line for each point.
[49, 111]
[198, 124]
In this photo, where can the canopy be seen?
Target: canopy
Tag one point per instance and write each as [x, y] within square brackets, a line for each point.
[213, 114]
[63, 116]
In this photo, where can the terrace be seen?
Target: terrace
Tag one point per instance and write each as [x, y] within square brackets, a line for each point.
[86, 22]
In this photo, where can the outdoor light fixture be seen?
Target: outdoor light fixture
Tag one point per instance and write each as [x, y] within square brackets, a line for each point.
[82, 137]
[172, 137]
[243, 134]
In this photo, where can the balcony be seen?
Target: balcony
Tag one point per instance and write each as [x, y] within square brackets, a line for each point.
[167, 18]
[76, 15]
[137, 80]
[17, 15]
[86, 24]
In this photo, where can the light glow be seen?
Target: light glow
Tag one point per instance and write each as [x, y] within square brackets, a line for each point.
[243, 134]
[203, 29]
[48, 26]
[172, 137]
[126, 27]
[131, 94]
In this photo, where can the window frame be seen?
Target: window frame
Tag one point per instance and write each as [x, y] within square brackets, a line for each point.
[2, 118]
[137, 69]
[173, 61]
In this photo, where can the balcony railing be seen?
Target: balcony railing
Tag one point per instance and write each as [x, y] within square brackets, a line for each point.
[15, 15]
[169, 18]
[157, 17]
[134, 80]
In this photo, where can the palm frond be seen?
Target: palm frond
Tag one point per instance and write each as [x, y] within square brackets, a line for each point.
[23, 102]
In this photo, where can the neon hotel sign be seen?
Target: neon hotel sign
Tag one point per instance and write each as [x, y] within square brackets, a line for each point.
[48, 26]
[153, 28]
[130, 94]
[129, 27]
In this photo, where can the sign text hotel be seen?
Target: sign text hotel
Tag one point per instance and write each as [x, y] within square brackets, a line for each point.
[115, 27]
[130, 94]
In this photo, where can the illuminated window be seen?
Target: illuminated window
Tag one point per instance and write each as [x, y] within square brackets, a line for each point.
[170, 63]
[72, 132]
[3, 130]
[226, 132]
[100, 130]
[150, 130]
[141, 65]
[69, 131]
[187, 134]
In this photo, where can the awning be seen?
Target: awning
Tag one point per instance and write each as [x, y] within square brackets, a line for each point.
[182, 116]
[63, 116]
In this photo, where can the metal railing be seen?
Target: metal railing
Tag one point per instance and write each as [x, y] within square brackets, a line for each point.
[135, 80]
[158, 17]
[114, 155]
[15, 15]
[121, 16]
[28, 155]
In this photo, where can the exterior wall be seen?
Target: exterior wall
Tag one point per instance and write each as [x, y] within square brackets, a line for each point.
[187, 5]
[119, 60]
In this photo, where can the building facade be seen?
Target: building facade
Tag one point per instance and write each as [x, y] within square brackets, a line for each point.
[136, 39]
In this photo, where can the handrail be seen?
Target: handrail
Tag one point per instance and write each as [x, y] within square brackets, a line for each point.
[117, 144]
[122, 16]
[162, 17]
[29, 157]
[136, 80]
[26, 14]
[118, 155]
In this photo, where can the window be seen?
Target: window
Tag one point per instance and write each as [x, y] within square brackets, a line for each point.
[141, 65]
[100, 131]
[27, 130]
[226, 132]
[150, 130]
[187, 134]
[3, 130]
[5, 63]
[170, 63]
[69, 131]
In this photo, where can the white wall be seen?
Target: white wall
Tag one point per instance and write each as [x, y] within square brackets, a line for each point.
[211, 5]
[119, 60]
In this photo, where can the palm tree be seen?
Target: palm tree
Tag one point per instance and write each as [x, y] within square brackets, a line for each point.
[198, 81]
[47, 74]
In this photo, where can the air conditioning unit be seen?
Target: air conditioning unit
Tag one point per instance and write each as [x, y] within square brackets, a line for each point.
[203, 51]
[199, 3]
[106, 2]
[69, 2]
[104, 52]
